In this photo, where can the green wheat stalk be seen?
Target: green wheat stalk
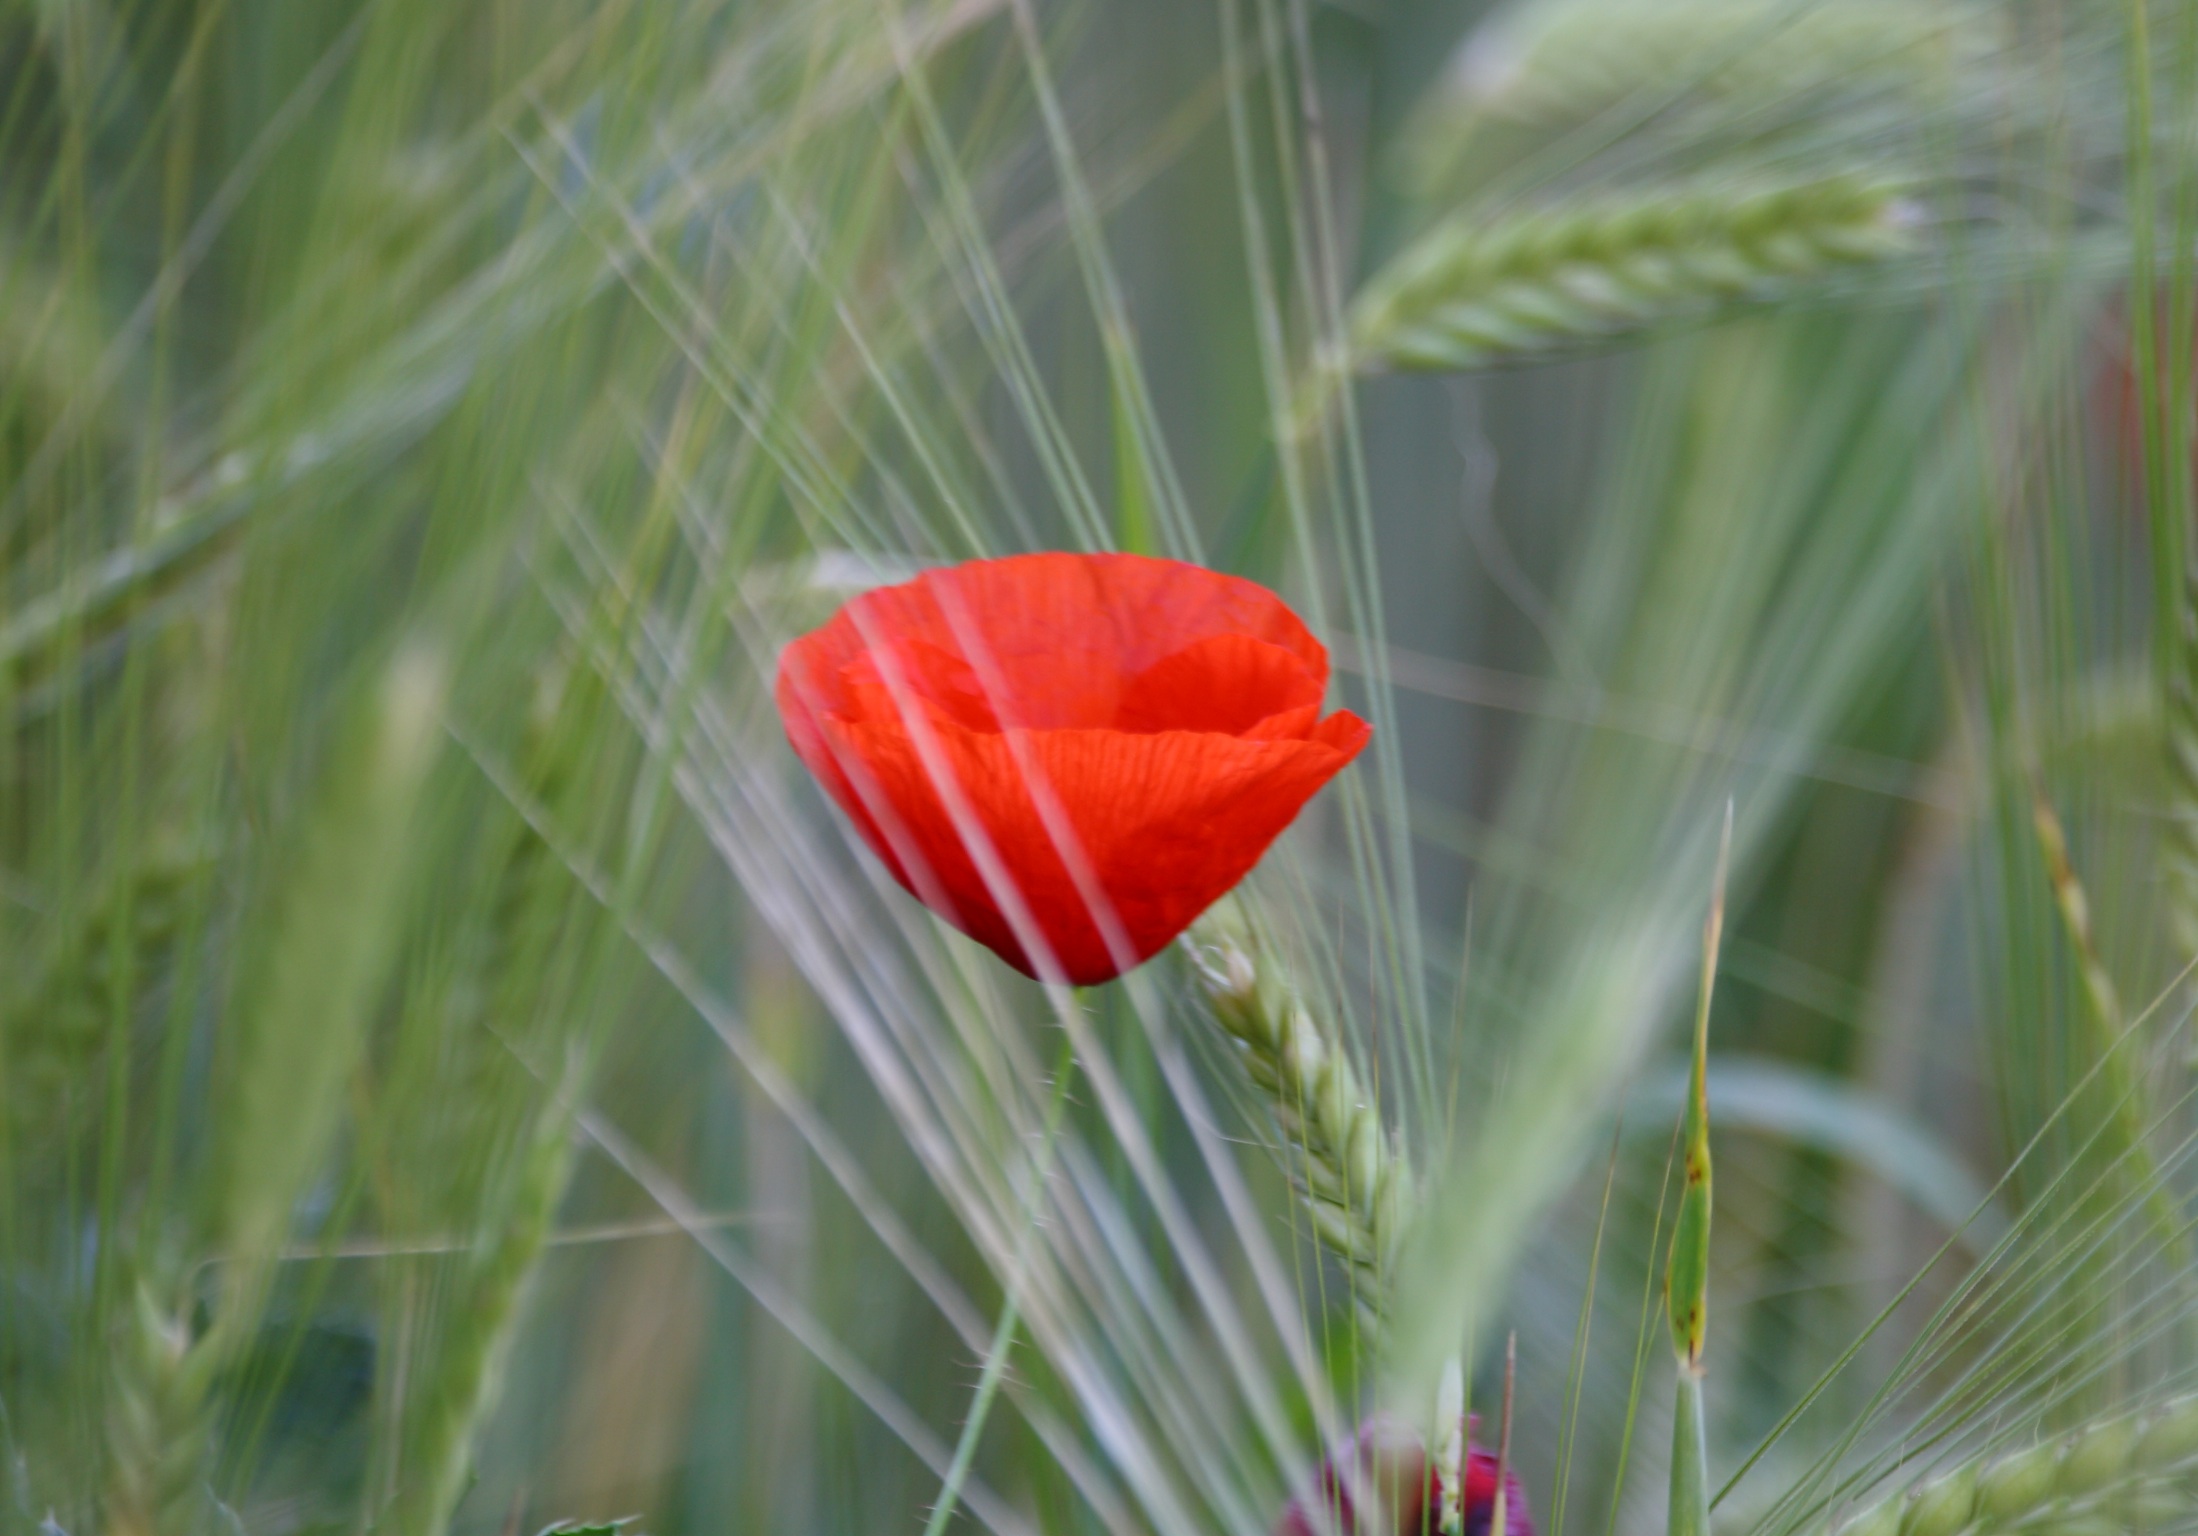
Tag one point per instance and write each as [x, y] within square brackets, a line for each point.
[1350, 1170]
[2104, 1009]
[1687, 1273]
[512, 1200]
[1479, 289]
[468, 1370]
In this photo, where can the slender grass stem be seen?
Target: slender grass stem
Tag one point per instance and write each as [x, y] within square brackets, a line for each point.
[2123, 1083]
[1003, 1335]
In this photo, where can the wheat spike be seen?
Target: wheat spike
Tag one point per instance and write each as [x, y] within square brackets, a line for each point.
[1581, 59]
[2181, 844]
[2128, 1471]
[468, 1374]
[58, 1021]
[1474, 290]
[512, 1201]
[1349, 1169]
[159, 1423]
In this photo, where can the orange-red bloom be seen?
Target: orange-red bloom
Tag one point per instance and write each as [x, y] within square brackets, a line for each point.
[1068, 757]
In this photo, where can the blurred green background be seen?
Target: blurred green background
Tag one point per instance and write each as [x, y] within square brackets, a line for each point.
[456, 1074]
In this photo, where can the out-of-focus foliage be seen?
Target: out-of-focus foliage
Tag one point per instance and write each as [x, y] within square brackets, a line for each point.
[456, 1074]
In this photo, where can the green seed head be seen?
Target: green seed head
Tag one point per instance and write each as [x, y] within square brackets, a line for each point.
[1353, 1179]
[2017, 1484]
[1366, 1154]
[2097, 1456]
[1334, 1226]
[1303, 1056]
[1879, 1519]
[1941, 1506]
[2156, 1505]
[2082, 1525]
[2169, 1437]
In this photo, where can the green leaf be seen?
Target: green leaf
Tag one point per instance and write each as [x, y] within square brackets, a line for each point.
[1686, 1280]
[1807, 1107]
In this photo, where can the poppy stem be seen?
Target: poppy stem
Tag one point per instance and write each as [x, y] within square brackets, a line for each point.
[1003, 1335]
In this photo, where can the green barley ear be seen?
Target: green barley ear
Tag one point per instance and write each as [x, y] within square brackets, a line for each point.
[511, 1200]
[465, 1375]
[2180, 845]
[60, 1008]
[1484, 287]
[1704, 72]
[329, 930]
[327, 927]
[158, 1422]
[1556, 65]
[1350, 1170]
[2122, 1471]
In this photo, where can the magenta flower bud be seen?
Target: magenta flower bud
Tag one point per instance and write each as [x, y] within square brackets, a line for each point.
[1480, 1497]
[1385, 1484]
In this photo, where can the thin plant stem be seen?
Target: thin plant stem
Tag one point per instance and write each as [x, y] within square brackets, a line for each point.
[1003, 1336]
[1568, 1437]
[1687, 1279]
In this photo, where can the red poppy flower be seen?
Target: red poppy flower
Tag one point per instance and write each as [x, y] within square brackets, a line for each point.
[1068, 757]
[1385, 1482]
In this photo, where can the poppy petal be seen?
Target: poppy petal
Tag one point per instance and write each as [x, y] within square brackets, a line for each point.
[1163, 824]
[1055, 635]
[1095, 731]
[922, 671]
[1225, 683]
[1345, 732]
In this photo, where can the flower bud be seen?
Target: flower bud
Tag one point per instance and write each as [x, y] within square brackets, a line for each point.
[1480, 1497]
[1384, 1484]
[1380, 1484]
[1172, 713]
